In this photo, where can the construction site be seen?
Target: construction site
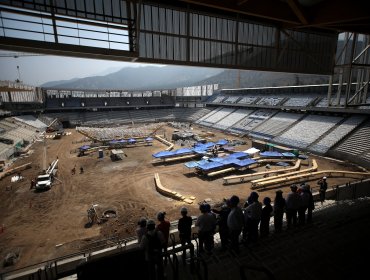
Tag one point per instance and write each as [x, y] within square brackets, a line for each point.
[105, 179]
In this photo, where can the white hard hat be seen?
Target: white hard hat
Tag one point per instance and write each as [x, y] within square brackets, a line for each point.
[324, 178]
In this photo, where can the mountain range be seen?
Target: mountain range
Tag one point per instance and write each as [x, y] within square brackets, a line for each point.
[168, 77]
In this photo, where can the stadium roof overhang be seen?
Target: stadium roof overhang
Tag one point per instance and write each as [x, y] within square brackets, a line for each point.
[297, 36]
[330, 15]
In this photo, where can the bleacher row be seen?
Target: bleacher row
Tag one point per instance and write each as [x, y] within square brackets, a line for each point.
[131, 116]
[305, 131]
[75, 102]
[120, 132]
[18, 130]
[303, 100]
[314, 133]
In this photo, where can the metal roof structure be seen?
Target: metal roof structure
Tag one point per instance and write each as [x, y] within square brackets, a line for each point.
[330, 15]
[297, 36]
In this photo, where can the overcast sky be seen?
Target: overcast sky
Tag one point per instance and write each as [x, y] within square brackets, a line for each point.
[36, 70]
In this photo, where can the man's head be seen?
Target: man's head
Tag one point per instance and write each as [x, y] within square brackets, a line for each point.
[142, 222]
[253, 196]
[161, 215]
[294, 188]
[204, 207]
[150, 225]
[234, 201]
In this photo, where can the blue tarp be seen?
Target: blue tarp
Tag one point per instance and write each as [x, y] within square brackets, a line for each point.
[209, 166]
[149, 139]
[238, 155]
[217, 159]
[182, 151]
[228, 160]
[204, 146]
[244, 162]
[84, 147]
[122, 141]
[113, 142]
[199, 151]
[162, 154]
[131, 140]
[191, 164]
[222, 142]
[303, 157]
[203, 161]
[282, 163]
[271, 154]
[288, 155]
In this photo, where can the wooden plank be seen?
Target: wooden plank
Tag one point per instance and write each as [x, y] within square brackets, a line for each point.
[15, 169]
[245, 177]
[313, 168]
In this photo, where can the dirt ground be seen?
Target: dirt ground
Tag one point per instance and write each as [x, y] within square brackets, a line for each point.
[53, 223]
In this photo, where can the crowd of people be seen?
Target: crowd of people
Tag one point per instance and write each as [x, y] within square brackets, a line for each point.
[237, 223]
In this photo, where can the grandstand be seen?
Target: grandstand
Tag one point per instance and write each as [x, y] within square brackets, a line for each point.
[296, 116]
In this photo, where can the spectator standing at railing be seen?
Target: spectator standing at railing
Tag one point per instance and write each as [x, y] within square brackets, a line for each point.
[164, 227]
[323, 187]
[311, 204]
[141, 229]
[252, 217]
[305, 202]
[152, 244]
[235, 222]
[293, 202]
[184, 227]
[265, 217]
[279, 210]
[206, 223]
[223, 229]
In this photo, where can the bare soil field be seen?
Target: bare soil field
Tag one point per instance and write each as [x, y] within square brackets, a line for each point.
[53, 223]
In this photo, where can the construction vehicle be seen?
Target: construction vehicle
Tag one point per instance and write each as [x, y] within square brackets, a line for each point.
[117, 155]
[58, 134]
[92, 215]
[45, 181]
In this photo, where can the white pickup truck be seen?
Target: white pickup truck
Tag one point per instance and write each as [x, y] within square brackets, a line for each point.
[44, 182]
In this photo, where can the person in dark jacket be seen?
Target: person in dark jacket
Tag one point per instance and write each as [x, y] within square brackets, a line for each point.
[311, 204]
[223, 229]
[184, 227]
[152, 244]
[265, 217]
[323, 187]
[279, 210]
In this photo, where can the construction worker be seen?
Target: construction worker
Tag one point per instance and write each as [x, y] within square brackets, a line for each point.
[81, 170]
[73, 170]
[32, 184]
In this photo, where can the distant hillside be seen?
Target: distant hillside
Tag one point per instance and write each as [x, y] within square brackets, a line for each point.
[230, 79]
[56, 83]
[141, 78]
[151, 77]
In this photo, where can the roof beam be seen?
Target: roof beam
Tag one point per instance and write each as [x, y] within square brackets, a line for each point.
[297, 11]
[271, 9]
